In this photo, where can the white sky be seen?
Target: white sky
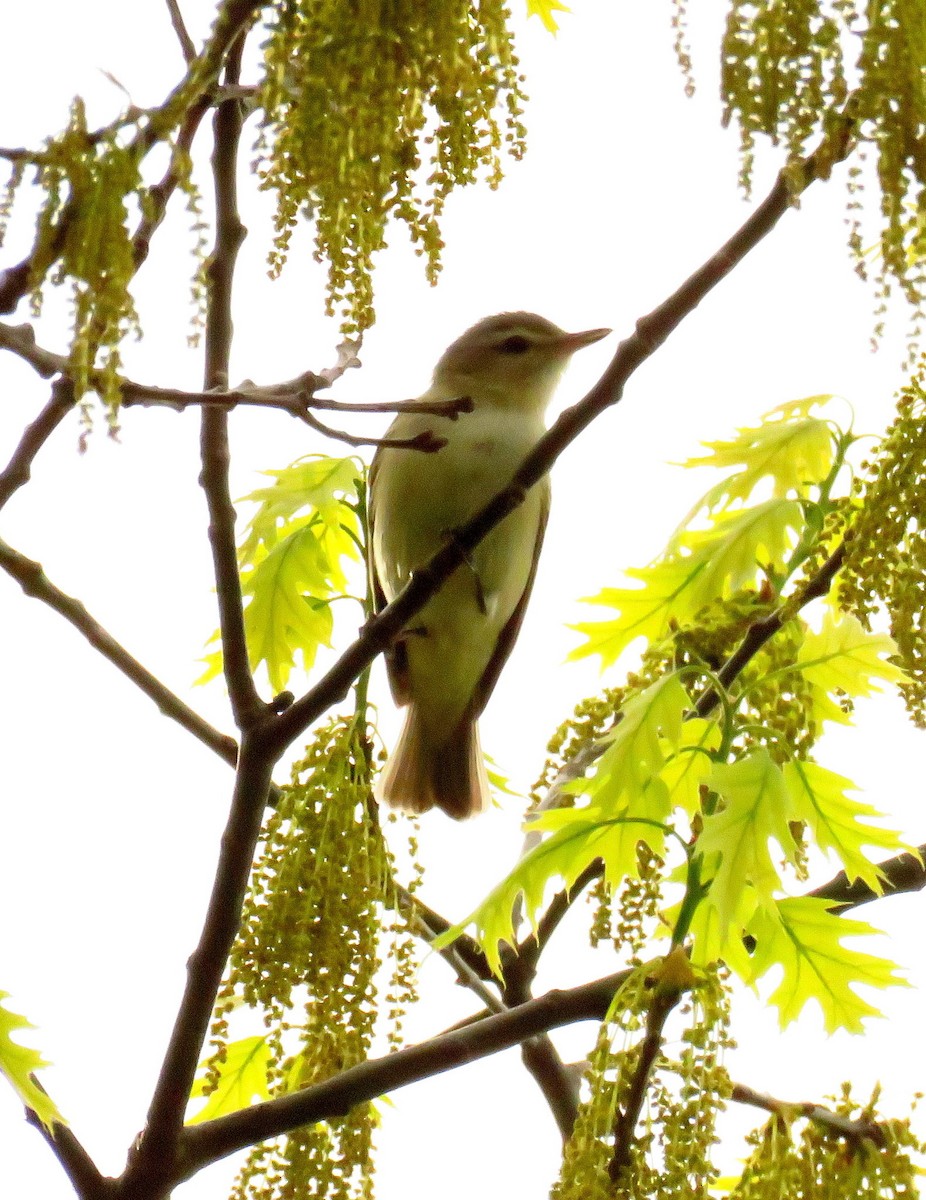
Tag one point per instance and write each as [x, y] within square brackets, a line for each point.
[114, 814]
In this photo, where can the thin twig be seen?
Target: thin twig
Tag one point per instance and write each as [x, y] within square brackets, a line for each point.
[186, 42]
[426, 441]
[433, 924]
[18, 470]
[295, 396]
[285, 398]
[159, 194]
[907, 868]
[860, 1129]
[759, 632]
[625, 1123]
[35, 583]
[559, 906]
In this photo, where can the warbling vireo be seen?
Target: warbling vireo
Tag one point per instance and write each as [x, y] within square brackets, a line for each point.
[445, 665]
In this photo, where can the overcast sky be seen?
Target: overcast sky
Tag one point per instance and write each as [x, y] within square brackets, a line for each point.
[114, 814]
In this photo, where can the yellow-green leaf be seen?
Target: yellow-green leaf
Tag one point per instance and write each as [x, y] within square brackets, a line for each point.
[292, 563]
[544, 9]
[242, 1080]
[845, 655]
[636, 748]
[19, 1063]
[644, 611]
[755, 810]
[792, 453]
[803, 937]
[818, 797]
[740, 545]
[690, 766]
[579, 838]
[718, 938]
[311, 485]
[286, 616]
[704, 564]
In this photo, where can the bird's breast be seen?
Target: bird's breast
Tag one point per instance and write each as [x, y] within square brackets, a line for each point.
[419, 498]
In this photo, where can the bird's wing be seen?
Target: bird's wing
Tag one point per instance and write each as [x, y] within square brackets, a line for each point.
[396, 656]
[509, 633]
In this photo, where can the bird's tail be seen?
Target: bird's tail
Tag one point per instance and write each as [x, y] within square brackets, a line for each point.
[425, 772]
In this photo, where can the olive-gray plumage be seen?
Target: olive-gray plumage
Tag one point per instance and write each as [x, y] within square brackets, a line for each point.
[445, 665]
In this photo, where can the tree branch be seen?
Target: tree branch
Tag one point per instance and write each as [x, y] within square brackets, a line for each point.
[212, 1140]
[247, 707]
[625, 1124]
[35, 583]
[20, 339]
[759, 632]
[187, 49]
[156, 1151]
[860, 1129]
[78, 1166]
[18, 470]
[433, 924]
[558, 1083]
[535, 943]
[296, 397]
[903, 873]
[905, 866]
[159, 194]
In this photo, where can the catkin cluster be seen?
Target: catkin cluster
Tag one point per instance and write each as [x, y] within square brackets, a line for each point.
[374, 111]
[886, 544]
[307, 960]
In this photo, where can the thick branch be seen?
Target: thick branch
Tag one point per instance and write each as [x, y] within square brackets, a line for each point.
[230, 233]
[902, 873]
[159, 1143]
[203, 1144]
[558, 1081]
[651, 331]
[158, 1146]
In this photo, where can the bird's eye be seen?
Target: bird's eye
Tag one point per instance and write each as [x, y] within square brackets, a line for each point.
[516, 344]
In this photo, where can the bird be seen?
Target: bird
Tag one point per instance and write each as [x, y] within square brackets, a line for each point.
[443, 667]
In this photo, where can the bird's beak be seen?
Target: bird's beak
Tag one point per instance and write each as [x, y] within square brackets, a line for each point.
[570, 342]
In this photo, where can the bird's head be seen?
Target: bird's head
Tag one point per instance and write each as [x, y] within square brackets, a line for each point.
[513, 360]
